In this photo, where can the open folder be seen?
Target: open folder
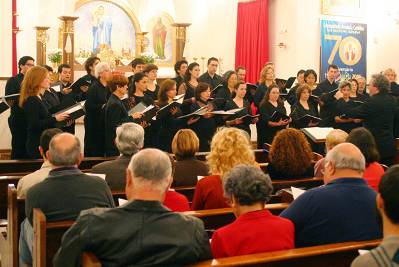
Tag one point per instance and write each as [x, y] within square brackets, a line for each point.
[75, 111]
[5, 101]
[277, 116]
[148, 111]
[198, 113]
[285, 83]
[306, 119]
[247, 119]
[177, 102]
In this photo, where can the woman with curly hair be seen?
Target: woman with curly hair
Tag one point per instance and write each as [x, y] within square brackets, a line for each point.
[255, 230]
[290, 156]
[229, 147]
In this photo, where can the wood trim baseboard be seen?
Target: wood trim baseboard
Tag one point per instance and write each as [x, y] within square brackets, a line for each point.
[4, 78]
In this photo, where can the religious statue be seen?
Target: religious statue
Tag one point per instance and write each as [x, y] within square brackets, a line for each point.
[102, 29]
[158, 38]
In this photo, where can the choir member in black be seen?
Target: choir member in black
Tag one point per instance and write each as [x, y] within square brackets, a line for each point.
[188, 87]
[265, 81]
[267, 128]
[343, 104]
[302, 107]
[137, 65]
[37, 116]
[168, 119]
[241, 72]
[211, 77]
[378, 116]
[327, 99]
[139, 87]
[225, 93]
[180, 69]
[51, 100]
[204, 126]
[66, 95]
[151, 70]
[97, 97]
[16, 121]
[362, 87]
[81, 86]
[355, 92]
[115, 112]
[300, 77]
[239, 102]
[390, 74]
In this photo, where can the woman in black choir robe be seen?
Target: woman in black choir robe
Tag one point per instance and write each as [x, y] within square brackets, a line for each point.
[204, 126]
[355, 95]
[300, 77]
[343, 104]
[265, 81]
[267, 129]
[240, 102]
[116, 113]
[188, 87]
[139, 87]
[97, 98]
[51, 100]
[226, 92]
[81, 86]
[168, 118]
[303, 107]
[37, 116]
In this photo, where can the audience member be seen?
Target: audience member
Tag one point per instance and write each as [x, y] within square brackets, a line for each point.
[229, 147]
[36, 177]
[290, 156]
[65, 192]
[129, 140]
[255, 230]
[335, 137]
[187, 168]
[342, 210]
[364, 140]
[142, 232]
[386, 254]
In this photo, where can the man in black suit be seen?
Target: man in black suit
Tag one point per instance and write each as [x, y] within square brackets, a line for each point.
[65, 192]
[142, 232]
[210, 77]
[378, 115]
[180, 69]
[129, 140]
[16, 121]
[325, 90]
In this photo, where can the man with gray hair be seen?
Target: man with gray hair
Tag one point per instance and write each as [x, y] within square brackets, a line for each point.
[129, 140]
[343, 209]
[142, 232]
[65, 192]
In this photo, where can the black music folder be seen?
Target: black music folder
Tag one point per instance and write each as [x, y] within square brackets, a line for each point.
[75, 111]
[277, 116]
[6, 101]
[306, 119]
[285, 83]
[178, 101]
[199, 112]
[247, 119]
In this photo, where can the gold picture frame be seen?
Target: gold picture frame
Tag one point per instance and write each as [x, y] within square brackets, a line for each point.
[345, 8]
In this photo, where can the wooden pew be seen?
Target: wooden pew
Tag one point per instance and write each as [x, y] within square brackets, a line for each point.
[306, 183]
[23, 167]
[332, 255]
[396, 160]
[47, 238]
[4, 182]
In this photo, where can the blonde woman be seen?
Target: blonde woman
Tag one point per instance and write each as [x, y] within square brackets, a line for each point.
[266, 80]
[390, 74]
[229, 147]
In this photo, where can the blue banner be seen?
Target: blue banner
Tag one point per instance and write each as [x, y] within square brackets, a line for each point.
[345, 45]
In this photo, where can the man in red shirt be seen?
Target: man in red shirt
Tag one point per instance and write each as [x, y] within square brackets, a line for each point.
[255, 230]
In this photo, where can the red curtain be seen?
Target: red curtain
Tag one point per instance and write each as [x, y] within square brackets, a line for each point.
[252, 38]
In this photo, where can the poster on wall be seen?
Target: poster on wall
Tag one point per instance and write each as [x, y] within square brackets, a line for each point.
[345, 45]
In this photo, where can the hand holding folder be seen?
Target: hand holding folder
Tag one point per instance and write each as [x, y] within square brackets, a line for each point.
[69, 114]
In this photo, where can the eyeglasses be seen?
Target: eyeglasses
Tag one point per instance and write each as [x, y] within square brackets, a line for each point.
[29, 64]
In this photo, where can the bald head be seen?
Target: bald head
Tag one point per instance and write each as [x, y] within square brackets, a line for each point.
[344, 160]
[64, 150]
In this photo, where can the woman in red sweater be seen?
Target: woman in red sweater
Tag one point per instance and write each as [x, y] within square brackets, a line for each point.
[255, 230]
[364, 140]
[229, 147]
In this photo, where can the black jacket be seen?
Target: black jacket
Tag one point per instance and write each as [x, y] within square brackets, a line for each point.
[378, 115]
[139, 233]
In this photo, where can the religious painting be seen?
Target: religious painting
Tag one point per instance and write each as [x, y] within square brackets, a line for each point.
[106, 30]
[160, 39]
[347, 8]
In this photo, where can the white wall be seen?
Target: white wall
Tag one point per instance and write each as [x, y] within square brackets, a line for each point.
[6, 38]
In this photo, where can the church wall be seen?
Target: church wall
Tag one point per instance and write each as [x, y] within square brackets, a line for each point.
[6, 39]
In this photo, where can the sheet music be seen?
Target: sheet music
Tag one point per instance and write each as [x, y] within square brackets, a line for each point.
[296, 192]
[199, 177]
[363, 251]
[101, 175]
[148, 108]
[318, 132]
[73, 109]
[57, 88]
[122, 201]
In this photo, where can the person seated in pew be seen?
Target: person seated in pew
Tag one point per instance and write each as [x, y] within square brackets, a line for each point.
[290, 156]
[129, 140]
[142, 232]
[364, 140]
[342, 210]
[187, 168]
[229, 147]
[174, 200]
[255, 230]
[335, 137]
[33, 178]
[64, 193]
[386, 254]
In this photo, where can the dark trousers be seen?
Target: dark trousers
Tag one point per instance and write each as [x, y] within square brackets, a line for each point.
[18, 140]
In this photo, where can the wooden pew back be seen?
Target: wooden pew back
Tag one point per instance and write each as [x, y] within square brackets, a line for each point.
[4, 182]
